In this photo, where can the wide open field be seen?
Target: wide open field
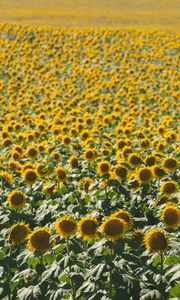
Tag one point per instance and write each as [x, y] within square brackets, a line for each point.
[163, 14]
[89, 150]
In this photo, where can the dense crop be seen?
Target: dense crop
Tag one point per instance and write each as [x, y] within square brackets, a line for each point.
[88, 164]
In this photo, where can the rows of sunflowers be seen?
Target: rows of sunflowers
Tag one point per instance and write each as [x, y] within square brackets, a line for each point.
[88, 164]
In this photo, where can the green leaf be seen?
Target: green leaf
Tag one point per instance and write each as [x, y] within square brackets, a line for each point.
[48, 258]
[175, 268]
[30, 293]
[58, 248]
[172, 260]
[33, 262]
[175, 277]
[64, 278]
[2, 255]
[150, 294]
[56, 295]
[175, 291]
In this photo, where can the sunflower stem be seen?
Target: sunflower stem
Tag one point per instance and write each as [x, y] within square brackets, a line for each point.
[89, 167]
[32, 200]
[70, 270]
[58, 186]
[162, 261]
[9, 274]
[110, 273]
[106, 192]
[41, 258]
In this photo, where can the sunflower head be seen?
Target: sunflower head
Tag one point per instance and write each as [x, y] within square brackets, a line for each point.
[48, 188]
[32, 152]
[14, 165]
[169, 188]
[156, 240]
[103, 167]
[66, 140]
[138, 237]
[113, 228]
[161, 200]
[73, 161]
[26, 166]
[89, 154]
[158, 172]
[122, 214]
[16, 199]
[145, 175]
[65, 226]
[87, 228]
[18, 233]
[42, 170]
[30, 176]
[121, 172]
[150, 160]
[170, 164]
[7, 177]
[39, 240]
[134, 160]
[61, 174]
[120, 144]
[85, 184]
[170, 216]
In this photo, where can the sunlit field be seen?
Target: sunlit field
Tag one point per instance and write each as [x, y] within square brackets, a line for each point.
[154, 14]
[89, 150]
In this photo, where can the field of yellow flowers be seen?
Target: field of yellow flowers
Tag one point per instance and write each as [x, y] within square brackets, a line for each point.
[89, 164]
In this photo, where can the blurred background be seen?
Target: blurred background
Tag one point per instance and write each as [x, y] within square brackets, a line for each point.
[152, 14]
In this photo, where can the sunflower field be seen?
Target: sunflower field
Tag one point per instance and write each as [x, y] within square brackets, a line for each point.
[89, 145]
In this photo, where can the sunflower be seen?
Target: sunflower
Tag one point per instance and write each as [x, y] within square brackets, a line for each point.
[138, 237]
[85, 183]
[122, 214]
[14, 165]
[15, 155]
[26, 166]
[30, 176]
[113, 228]
[42, 170]
[170, 164]
[169, 188]
[18, 233]
[32, 152]
[73, 161]
[145, 144]
[161, 200]
[120, 144]
[48, 188]
[16, 199]
[121, 172]
[6, 142]
[66, 140]
[61, 174]
[134, 160]
[156, 240]
[145, 175]
[6, 177]
[87, 227]
[39, 240]
[89, 154]
[65, 226]
[158, 172]
[103, 167]
[133, 182]
[85, 135]
[150, 160]
[170, 215]
[56, 156]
